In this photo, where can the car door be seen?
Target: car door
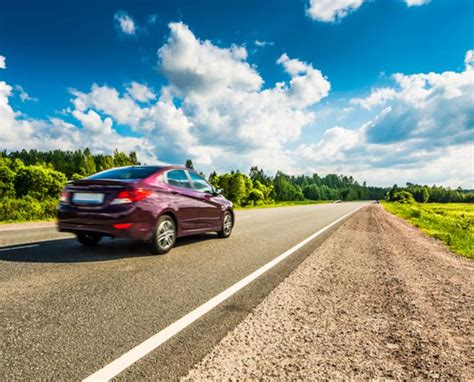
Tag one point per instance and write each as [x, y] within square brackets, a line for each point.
[210, 210]
[184, 198]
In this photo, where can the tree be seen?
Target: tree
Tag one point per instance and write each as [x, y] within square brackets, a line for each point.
[237, 189]
[403, 197]
[121, 159]
[87, 164]
[7, 177]
[189, 164]
[39, 182]
[312, 192]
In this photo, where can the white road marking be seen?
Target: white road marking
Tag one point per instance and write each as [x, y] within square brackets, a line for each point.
[124, 361]
[21, 247]
[244, 217]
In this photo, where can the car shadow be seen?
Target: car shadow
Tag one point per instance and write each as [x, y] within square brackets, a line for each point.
[70, 251]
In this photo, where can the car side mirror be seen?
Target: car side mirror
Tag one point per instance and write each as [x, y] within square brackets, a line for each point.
[217, 191]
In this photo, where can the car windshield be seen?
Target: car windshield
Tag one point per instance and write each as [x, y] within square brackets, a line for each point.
[126, 173]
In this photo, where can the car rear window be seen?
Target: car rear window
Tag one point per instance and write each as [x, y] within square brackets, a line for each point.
[126, 173]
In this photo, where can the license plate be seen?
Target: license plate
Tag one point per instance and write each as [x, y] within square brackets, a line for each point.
[87, 198]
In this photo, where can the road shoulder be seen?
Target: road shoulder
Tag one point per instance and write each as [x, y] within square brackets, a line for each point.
[378, 299]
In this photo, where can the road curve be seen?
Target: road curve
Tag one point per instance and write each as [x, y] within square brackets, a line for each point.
[67, 311]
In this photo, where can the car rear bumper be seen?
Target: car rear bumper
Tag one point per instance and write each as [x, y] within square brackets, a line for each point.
[138, 231]
[73, 221]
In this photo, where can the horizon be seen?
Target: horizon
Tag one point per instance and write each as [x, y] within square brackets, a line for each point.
[380, 91]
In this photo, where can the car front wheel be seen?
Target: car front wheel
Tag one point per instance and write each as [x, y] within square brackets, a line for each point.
[164, 237]
[227, 225]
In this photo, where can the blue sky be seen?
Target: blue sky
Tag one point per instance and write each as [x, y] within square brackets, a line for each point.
[379, 90]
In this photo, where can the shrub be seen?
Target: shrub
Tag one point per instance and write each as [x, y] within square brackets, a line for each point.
[403, 197]
[27, 208]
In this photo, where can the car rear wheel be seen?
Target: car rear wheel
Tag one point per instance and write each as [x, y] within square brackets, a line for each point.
[227, 225]
[164, 237]
[88, 239]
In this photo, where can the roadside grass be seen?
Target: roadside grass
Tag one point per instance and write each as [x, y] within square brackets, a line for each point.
[452, 223]
[285, 204]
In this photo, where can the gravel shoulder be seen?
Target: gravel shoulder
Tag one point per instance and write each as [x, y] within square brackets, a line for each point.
[378, 299]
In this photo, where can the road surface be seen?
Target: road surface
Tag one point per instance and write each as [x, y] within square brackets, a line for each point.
[68, 311]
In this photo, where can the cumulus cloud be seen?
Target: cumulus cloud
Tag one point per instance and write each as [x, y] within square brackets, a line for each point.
[425, 127]
[3, 62]
[125, 23]
[331, 10]
[412, 3]
[140, 92]
[223, 99]
[202, 68]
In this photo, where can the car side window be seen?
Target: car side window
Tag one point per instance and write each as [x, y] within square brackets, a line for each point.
[178, 178]
[200, 184]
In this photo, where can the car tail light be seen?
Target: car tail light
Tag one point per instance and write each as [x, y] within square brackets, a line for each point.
[130, 196]
[64, 198]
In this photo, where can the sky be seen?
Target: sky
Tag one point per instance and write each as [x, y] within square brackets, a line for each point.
[381, 90]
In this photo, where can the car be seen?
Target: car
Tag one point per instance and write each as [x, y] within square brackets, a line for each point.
[157, 204]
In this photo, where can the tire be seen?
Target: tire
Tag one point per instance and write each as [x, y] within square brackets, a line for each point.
[88, 239]
[164, 236]
[227, 225]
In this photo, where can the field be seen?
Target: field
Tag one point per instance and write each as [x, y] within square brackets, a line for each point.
[453, 223]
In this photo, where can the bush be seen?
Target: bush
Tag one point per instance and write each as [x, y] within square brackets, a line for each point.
[403, 197]
[39, 181]
[27, 209]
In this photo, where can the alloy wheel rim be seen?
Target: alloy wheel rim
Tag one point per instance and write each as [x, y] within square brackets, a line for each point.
[227, 224]
[166, 234]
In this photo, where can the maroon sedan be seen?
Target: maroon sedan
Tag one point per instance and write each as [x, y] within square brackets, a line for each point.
[151, 203]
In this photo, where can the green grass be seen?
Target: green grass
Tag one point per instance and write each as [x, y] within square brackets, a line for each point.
[285, 204]
[453, 223]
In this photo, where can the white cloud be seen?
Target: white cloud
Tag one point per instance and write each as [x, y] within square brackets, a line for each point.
[201, 68]
[331, 10]
[92, 122]
[424, 134]
[24, 96]
[412, 3]
[262, 43]
[3, 63]
[223, 100]
[378, 97]
[140, 92]
[125, 23]
[469, 59]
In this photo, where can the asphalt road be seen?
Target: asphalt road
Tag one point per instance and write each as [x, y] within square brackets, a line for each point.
[67, 311]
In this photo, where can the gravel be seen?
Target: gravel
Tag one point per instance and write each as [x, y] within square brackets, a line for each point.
[378, 299]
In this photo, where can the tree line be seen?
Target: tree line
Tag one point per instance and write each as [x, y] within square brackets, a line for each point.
[423, 194]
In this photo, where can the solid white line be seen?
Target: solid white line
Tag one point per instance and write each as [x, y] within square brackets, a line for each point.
[117, 366]
[244, 217]
[21, 247]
